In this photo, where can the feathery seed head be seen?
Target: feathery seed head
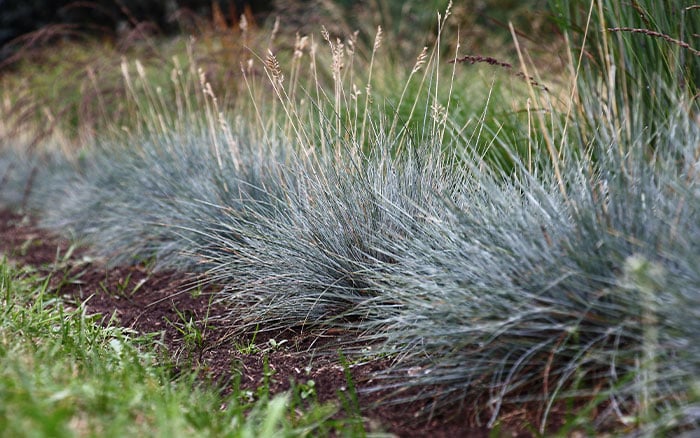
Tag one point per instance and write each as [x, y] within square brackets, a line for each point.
[273, 66]
[378, 39]
[243, 24]
[300, 44]
[420, 60]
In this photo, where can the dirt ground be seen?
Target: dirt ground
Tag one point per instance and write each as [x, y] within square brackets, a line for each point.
[163, 303]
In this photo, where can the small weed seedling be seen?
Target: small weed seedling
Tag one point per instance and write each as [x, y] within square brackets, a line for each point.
[275, 345]
[248, 347]
[350, 402]
[193, 336]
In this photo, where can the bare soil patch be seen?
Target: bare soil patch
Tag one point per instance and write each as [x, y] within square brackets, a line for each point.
[164, 304]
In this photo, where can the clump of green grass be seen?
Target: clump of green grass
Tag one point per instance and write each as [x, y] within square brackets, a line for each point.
[63, 374]
[633, 61]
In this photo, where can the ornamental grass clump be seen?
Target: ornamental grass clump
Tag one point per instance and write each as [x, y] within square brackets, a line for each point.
[574, 284]
[523, 294]
[148, 202]
[311, 264]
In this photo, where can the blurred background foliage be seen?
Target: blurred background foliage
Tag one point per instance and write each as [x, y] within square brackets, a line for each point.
[61, 69]
[48, 20]
[484, 23]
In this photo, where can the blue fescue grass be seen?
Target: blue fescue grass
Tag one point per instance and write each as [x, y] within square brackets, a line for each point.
[522, 290]
[149, 200]
[570, 275]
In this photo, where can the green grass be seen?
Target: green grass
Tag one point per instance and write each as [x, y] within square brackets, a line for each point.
[63, 374]
[634, 61]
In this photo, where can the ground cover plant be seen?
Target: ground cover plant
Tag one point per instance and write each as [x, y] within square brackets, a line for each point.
[548, 260]
[62, 373]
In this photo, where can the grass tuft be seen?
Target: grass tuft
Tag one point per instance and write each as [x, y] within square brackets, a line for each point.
[63, 374]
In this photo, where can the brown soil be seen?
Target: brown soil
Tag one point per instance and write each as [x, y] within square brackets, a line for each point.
[163, 303]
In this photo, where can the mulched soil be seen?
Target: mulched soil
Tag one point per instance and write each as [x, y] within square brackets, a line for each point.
[163, 302]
